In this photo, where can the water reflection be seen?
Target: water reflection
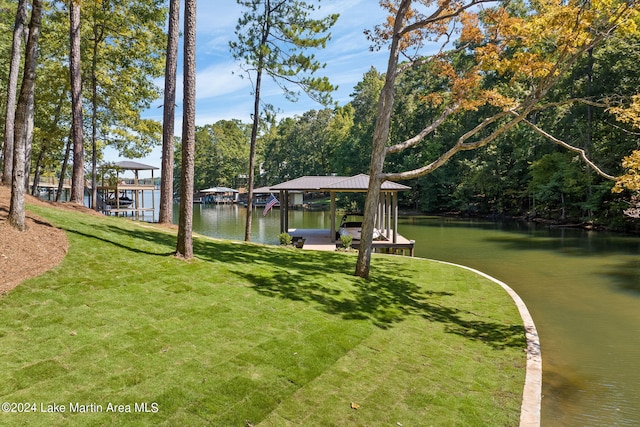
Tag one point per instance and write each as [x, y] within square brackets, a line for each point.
[582, 290]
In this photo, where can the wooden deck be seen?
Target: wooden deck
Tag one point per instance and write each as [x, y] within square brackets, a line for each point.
[320, 240]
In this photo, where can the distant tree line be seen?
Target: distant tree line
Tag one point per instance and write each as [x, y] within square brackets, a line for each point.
[520, 174]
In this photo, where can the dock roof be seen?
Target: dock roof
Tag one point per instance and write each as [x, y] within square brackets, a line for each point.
[335, 183]
[219, 190]
[129, 165]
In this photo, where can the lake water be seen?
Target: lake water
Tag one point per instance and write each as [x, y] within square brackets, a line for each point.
[583, 291]
[581, 287]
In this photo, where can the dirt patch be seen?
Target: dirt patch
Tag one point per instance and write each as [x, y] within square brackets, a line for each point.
[32, 252]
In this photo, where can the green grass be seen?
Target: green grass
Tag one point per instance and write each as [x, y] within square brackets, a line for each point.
[254, 333]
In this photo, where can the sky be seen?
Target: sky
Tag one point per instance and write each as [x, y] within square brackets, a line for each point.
[221, 93]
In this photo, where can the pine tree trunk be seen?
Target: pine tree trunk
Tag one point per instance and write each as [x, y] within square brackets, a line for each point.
[252, 156]
[36, 173]
[24, 121]
[94, 120]
[77, 178]
[63, 169]
[12, 89]
[166, 182]
[185, 226]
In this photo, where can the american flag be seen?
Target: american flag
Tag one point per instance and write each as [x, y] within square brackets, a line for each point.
[270, 203]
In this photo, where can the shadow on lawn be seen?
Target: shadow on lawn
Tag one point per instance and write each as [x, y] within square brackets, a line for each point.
[326, 279]
[149, 241]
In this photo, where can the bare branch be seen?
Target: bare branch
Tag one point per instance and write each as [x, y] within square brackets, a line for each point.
[461, 145]
[585, 101]
[628, 132]
[570, 147]
[426, 131]
[437, 17]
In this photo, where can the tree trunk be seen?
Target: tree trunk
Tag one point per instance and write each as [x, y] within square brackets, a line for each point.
[252, 156]
[256, 124]
[380, 138]
[166, 182]
[24, 120]
[185, 240]
[12, 88]
[63, 169]
[36, 173]
[77, 178]
[94, 121]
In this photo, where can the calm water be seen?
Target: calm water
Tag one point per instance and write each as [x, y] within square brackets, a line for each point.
[583, 291]
[582, 288]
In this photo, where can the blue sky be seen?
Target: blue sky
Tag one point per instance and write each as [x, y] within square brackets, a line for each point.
[222, 94]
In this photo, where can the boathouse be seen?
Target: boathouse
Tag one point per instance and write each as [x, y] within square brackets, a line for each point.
[386, 218]
[121, 196]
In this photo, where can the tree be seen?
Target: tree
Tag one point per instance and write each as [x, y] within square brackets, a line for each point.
[77, 177]
[272, 37]
[168, 118]
[12, 84]
[630, 179]
[515, 59]
[221, 153]
[354, 155]
[185, 225]
[123, 45]
[24, 120]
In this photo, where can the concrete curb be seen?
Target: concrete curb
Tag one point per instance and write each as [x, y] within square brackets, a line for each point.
[532, 394]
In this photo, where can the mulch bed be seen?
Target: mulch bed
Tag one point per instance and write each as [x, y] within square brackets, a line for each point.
[28, 253]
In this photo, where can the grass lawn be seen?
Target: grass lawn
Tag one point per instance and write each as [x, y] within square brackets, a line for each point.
[250, 333]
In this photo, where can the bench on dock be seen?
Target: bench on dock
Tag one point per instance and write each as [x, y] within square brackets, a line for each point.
[298, 241]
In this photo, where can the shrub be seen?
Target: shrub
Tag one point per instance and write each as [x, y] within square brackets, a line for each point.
[346, 240]
[285, 239]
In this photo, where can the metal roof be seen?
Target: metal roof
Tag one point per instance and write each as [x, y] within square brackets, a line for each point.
[264, 190]
[219, 190]
[130, 165]
[308, 183]
[335, 183]
[361, 183]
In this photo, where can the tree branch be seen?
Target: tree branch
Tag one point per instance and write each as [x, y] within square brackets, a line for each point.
[436, 16]
[461, 145]
[426, 131]
[570, 147]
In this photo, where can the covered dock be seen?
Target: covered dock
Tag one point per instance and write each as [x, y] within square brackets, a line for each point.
[124, 196]
[219, 195]
[386, 218]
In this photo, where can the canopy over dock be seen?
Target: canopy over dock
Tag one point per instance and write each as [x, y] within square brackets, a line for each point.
[123, 196]
[386, 217]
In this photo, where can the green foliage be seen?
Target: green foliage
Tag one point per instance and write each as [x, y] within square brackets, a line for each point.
[122, 51]
[221, 154]
[346, 241]
[306, 145]
[7, 18]
[276, 37]
[285, 239]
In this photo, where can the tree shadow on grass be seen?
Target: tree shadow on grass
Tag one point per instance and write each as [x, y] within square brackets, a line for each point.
[390, 296]
[387, 298]
[147, 242]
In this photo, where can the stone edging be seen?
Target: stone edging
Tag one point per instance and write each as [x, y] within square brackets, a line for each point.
[532, 394]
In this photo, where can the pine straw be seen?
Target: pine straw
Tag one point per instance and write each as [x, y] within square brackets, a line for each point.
[30, 253]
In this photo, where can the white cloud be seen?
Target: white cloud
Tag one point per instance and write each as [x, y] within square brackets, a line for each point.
[220, 79]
